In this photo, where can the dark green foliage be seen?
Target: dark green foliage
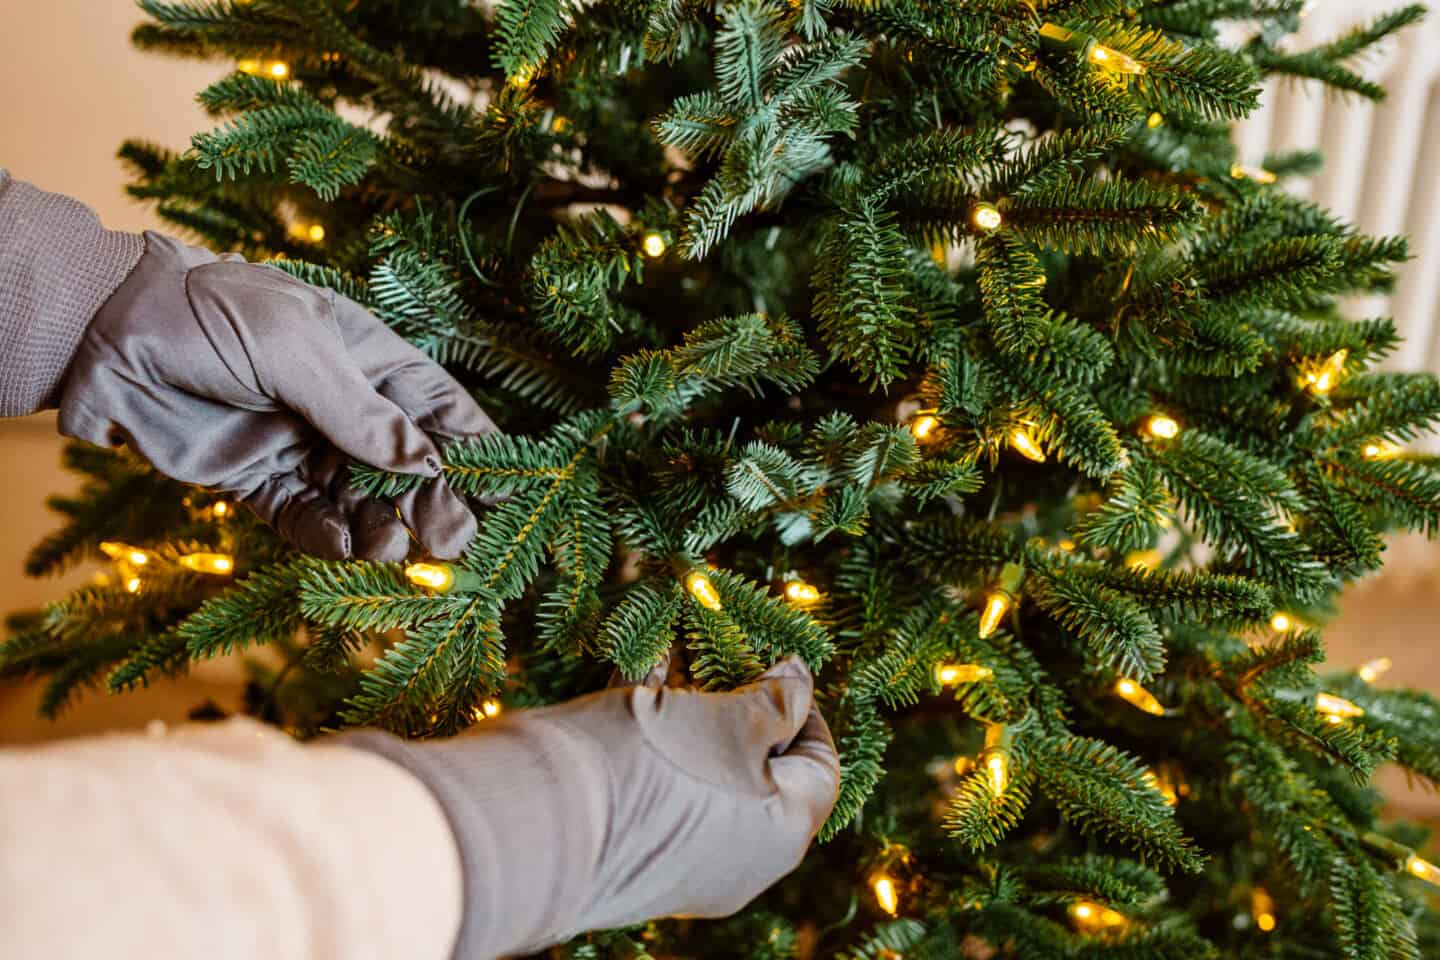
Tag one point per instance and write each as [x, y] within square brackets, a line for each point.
[1103, 791]
[720, 275]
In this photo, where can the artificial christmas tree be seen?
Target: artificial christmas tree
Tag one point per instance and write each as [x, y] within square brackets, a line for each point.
[950, 348]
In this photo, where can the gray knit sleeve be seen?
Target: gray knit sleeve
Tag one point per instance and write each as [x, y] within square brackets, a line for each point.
[57, 266]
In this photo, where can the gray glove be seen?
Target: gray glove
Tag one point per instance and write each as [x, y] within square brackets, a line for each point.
[237, 376]
[627, 804]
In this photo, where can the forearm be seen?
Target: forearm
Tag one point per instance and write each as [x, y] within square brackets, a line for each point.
[228, 841]
[57, 266]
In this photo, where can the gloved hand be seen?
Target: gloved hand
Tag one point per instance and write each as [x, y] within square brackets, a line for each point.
[237, 376]
[627, 804]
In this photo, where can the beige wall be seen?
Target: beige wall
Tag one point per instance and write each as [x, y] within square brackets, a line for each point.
[73, 90]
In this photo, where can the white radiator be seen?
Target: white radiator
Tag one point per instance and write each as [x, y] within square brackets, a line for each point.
[1380, 174]
[1380, 159]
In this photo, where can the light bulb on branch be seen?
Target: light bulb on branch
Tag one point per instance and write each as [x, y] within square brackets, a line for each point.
[986, 217]
[1262, 908]
[215, 564]
[1371, 670]
[1256, 174]
[1382, 450]
[1000, 599]
[801, 594]
[1138, 697]
[653, 244]
[124, 553]
[1025, 445]
[274, 69]
[1420, 868]
[950, 674]
[995, 758]
[886, 894]
[1162, 427]
[439, 577]
[1320, 378]
[1336, 709]
[1091, 917]
[924, 426]
[699, 586]
[1107, 59]
[1159, 780]
[1114, 61]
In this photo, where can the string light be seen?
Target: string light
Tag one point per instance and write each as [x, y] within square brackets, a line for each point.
[952, 673]
[1113, 61]
[488, 710]
[1143, 559]
[1025, 445]
[314, 232]
[1321, 377]
[997, 771]
[522, 77]
[1371, 670]
[986, 217]
[1417, 866]
[1337, 709]
[1382, 450]
[1160, 782]
[219, 508]
[217, 564]
[277, 69]
[923, 427]
[1162, 427]
[124, 552]
[1262, 908]
[653, 245]
[1154, 120]
[996, 759]
[1138, 697]
[1091, 917]
[997, 604]
[886, 895]
[999, 600]
[439, 577]
[132, 584]
[1281, 622]
[1257, 174]
[801, 593]
[702, 590]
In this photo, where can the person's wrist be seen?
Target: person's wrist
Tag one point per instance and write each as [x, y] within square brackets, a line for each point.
[528, 801]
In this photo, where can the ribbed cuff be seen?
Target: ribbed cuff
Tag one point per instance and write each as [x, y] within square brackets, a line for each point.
[58, 265]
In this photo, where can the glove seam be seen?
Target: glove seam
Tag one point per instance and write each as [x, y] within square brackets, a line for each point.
[259, 386]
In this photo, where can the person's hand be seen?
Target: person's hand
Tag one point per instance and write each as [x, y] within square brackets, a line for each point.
[628, 804]
[237, 376]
